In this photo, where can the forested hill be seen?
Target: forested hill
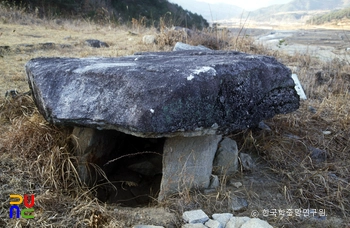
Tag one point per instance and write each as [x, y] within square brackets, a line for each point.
[335, 15]
[146, 12]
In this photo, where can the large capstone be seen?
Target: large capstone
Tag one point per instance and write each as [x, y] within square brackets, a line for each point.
[165, 94]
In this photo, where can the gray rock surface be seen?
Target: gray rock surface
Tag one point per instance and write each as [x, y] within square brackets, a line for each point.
[237, 222]
[239, 204]
[213, 224]
[196, 225]
[226, 158]
[187, 163]
[179, 46]
[256, 223]
[247, 162]
[214, 182]
[195, 216]
[163, 94]
[222, 218]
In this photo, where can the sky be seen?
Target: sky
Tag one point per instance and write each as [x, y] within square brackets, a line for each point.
[248, 5]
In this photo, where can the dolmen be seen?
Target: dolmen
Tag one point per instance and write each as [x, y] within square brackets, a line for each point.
[190, 98]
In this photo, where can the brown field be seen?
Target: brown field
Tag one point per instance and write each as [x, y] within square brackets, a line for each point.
[36, 157]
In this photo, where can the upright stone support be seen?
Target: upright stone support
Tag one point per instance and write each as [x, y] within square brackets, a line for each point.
[187, 163]
[92, 146]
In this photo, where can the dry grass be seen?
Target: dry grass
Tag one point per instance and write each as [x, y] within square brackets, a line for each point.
[36, 157]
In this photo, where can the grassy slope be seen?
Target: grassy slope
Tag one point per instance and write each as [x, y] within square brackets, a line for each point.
[35, 156]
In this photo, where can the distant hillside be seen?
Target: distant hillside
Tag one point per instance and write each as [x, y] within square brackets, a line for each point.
[147, 12]
[335, 15]
[296, 10]
[214, 11]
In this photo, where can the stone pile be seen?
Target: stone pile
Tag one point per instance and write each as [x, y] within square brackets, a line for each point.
[198, 219]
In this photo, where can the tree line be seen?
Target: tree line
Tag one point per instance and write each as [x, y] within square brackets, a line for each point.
[117, 11]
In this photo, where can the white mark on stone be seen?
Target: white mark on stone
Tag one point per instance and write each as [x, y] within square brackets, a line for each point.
[136, 59]
[204, 69]
[101, 66]
[189, 78]
[151, 110]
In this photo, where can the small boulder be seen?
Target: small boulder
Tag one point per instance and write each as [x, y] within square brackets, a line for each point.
[237, 222]
[246, 161]
[195, 216]
[179, 46]
[96, 43]
[149, 39]
[239, 204]
[222, 218]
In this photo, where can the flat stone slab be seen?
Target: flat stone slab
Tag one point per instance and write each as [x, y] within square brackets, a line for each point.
[187, 163]
[166, 94]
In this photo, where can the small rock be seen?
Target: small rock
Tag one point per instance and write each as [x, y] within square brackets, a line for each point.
[264, 126]
[321, 78]
[222, 218]
[47, 45]
[326, 132]
[196, 225]
[312, 109]
[96, 43]
[247, 162]
[179, 46]
[318, 155]
[239, 204]
[149, 39]
[226, 158]
[195, 216]
[213, 224]
[208, 191]
[147, 226]
[132, 33]
[11, 93]
[214, 182]
[235, 184]
[65, 46]
[256, 223]
[237, 222]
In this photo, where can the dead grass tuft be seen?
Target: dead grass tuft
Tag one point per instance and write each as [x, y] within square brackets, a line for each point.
[310, 152]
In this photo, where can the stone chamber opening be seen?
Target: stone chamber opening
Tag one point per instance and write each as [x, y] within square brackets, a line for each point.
[132, 165]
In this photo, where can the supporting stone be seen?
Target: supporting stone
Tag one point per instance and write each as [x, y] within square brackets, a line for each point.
[226, 158]
[187, 163]
[92, 146]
